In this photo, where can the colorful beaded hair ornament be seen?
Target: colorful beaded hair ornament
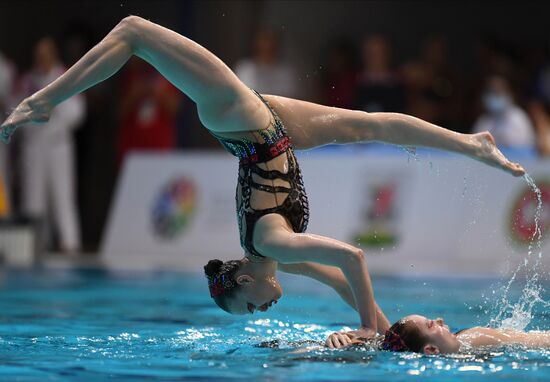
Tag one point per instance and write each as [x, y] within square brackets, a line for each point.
[393, 342]
[219, 284]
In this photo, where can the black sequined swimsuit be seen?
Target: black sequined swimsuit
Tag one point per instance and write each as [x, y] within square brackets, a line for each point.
[253, 179]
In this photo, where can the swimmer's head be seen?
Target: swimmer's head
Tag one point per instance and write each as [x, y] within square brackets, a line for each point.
[421, 335]
[242, 287]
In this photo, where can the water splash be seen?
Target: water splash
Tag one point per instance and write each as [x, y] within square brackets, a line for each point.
[411, 154]
[472, 192]
[414, 157]
[519, 314]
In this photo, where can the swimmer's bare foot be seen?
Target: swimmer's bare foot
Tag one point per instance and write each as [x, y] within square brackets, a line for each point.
[28, 111]
[486, 151]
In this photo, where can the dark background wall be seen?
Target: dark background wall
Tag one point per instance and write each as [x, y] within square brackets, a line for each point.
[225, 27]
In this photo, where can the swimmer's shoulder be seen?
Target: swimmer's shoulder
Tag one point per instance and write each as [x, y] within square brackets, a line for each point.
[482, 336]
[467, 331]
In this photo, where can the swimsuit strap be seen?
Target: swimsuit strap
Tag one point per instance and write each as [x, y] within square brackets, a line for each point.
[295, 207]
[266, 103]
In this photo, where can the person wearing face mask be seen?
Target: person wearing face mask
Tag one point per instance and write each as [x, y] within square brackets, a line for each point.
[508, 123]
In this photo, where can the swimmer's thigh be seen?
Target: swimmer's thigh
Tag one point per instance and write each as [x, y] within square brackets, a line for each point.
[310, 125]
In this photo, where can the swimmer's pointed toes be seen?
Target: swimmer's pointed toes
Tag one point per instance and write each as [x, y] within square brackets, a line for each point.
[515, 169]
[520, 170]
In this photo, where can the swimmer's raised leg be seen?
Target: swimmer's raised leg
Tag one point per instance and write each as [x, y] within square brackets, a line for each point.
[190, 67]
[311, 125]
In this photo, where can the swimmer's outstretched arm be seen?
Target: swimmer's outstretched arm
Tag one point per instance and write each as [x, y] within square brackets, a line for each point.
[478, 337]
[333, 277]
[190, 67]
[273, 238]
[312, 125]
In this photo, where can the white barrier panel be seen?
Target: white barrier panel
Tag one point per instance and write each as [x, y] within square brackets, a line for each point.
[446, 216]
[17, 245]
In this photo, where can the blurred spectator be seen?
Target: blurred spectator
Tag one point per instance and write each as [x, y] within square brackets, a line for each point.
[147, 110]
[6, 82]
[378, 87]
[539, 109]
[48, 153]
[7, 73]
[508, 123]
[340, 76]
[265, 71]
[541, 120]
[495, 56]
[432, 85]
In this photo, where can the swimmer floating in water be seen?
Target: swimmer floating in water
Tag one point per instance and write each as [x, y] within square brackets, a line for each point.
[419, 334]
[262, 131]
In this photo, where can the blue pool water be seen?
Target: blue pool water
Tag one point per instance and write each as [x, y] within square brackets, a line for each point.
[92, 326]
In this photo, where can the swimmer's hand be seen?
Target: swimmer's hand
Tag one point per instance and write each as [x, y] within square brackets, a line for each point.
[338, 340]
[28, 111]
[343, 339]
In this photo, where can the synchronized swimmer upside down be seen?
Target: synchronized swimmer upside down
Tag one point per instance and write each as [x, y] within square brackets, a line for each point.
[262, 131]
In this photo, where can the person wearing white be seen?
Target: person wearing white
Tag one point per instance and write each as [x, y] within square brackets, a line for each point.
[264, 72]
[49, 154]
[6, 81]
[509, 124]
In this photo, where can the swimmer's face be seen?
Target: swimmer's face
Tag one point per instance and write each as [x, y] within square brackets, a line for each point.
[255, 294]
[439, 338]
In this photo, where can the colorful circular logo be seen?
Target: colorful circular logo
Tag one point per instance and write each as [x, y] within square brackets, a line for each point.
[524, 212]
[174, 207]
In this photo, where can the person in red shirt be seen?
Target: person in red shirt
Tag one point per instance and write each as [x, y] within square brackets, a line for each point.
[147, 111]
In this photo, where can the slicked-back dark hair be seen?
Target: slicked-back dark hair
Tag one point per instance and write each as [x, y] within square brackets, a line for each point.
[410, 335]
[221, 278]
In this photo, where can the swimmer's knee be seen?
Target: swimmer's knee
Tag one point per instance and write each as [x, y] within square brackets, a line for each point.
[128, 28]
[131, 21]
